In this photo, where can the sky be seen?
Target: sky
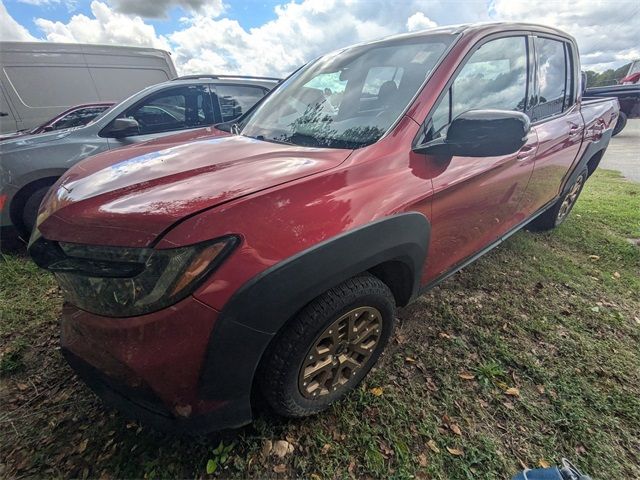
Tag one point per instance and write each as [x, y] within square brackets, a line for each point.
[274, 37]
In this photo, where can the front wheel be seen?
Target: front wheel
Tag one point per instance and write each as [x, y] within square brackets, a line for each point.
[559, 212]
[329, 347]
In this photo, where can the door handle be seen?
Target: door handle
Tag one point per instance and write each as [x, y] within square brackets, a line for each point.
[4, 114]
[575, 130]
[526, 152]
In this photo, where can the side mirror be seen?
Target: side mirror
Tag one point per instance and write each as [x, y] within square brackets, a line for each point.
[48, 128]
[124, 127]
[583, 82]
[481, 133]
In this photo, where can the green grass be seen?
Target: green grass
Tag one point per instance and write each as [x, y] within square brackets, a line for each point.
[552, 318]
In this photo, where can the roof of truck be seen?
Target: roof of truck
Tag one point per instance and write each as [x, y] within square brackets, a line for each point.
[483, 27]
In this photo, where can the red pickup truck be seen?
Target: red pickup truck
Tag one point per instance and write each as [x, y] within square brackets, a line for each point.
[270, 255]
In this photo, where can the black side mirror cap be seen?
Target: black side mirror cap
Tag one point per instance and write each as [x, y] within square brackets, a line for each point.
[124, 127]
[481, 133]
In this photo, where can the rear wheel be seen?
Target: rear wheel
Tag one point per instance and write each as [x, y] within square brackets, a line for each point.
[329, 347]
[620, 124]
[557, 214]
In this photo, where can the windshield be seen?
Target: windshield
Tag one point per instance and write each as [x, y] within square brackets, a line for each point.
[347, 99]
[634, 68]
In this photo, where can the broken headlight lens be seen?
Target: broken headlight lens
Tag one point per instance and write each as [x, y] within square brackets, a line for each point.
[123, 282]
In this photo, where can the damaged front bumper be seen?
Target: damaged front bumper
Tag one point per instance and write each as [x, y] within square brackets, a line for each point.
[149, 366]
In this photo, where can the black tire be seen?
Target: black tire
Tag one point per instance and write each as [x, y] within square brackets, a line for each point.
[620, 124]
[281, 369]
[559, 212]
[30, 210]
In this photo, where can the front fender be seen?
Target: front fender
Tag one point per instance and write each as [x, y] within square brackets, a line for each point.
[261, 307]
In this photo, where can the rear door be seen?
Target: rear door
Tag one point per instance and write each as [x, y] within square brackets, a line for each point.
[556, 118]
[234, 100]
[171, 110]
[476, 199]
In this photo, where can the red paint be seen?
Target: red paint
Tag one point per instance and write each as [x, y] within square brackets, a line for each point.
[121, 348]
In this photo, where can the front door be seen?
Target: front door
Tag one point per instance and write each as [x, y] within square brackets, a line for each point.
[476, 199]
[171, 110]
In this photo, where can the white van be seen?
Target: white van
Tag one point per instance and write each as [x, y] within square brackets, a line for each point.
[38, 80]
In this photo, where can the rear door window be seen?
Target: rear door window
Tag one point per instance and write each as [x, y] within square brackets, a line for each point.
[237, 99]
[552, 78]
[176, 108]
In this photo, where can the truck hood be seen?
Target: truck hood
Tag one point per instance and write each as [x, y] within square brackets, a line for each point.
[129, 196]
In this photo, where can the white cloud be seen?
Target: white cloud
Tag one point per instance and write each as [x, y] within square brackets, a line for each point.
[10, 30]
[418, 21]
[159, 8]
[607, 33]
[304, 29]
[299, 33]
[106, 26]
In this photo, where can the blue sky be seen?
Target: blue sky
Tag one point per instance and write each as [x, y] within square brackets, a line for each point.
[273, 37]
[249, 13]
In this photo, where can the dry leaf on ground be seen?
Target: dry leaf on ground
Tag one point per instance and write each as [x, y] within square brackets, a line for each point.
[83, 445]
[455, 451]
[432, 445]
[513, 391]
[377, 391]
[282, 448]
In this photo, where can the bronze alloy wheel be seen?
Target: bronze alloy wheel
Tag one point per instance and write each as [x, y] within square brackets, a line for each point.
[339, 352]
[569, 200]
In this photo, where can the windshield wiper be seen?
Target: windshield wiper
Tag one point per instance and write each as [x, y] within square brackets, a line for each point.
[272, 140]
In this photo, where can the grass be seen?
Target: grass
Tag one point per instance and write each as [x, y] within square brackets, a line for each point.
[529, 355]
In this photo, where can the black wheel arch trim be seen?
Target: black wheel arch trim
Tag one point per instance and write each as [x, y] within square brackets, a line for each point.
[592, 150]
[261, 307]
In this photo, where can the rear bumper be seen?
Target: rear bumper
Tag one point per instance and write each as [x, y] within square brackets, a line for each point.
[149, 367]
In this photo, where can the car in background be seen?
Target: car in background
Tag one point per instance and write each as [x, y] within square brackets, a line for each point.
[30, 165]
[628, 96]
[38, 80]
[633, 75]
[77, 116]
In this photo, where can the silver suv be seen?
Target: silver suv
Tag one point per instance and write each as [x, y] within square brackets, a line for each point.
[30, 165]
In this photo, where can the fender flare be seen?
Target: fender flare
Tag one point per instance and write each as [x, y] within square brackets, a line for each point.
[262, 306]
[592, 149]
